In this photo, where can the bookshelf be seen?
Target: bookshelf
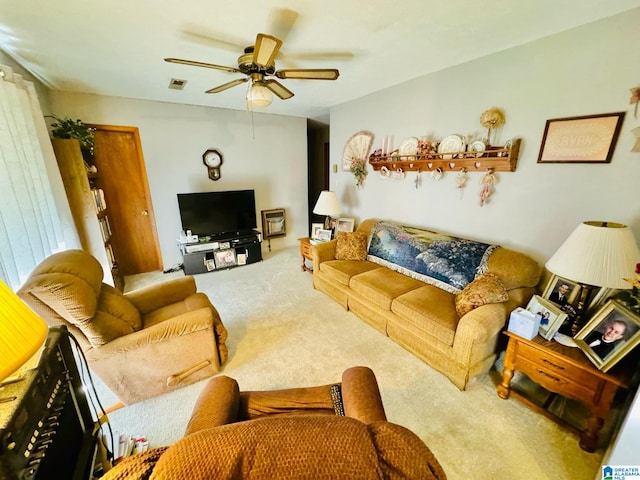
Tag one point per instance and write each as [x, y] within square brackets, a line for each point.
[89, 207]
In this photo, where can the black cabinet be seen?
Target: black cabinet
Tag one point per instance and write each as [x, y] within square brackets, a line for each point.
[224, 252]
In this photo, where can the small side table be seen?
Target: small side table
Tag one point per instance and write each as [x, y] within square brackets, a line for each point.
[305, 253]
[565, 371]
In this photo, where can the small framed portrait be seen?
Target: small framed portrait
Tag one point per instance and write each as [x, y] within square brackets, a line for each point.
[561, 291]
[345, 225]
[612, 333]
[315, 228]
[225, 258]
[324, 235]
[551, 316]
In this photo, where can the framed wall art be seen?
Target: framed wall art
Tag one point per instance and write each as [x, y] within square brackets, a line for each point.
[611, 333]
[587, 139]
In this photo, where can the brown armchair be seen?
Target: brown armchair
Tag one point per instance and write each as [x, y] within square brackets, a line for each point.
[141, 343]
[298, 433]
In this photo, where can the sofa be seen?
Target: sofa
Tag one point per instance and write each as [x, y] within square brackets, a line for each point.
[423, 290]
[320, 433]
[142, 343]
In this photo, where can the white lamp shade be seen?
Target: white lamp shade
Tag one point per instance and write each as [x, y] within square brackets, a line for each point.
[327, 204]
[259, 96]
[22, 332]
[597, 253]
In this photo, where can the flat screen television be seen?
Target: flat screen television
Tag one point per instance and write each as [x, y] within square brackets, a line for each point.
[217, 213]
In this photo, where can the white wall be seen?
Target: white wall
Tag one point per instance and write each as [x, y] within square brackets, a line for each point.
[174, 137]
[584, 71]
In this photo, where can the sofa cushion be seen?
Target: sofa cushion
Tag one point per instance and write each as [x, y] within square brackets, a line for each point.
[430, 310]
[341, 271]
[351, 246]
[381, 286]
[486, 288]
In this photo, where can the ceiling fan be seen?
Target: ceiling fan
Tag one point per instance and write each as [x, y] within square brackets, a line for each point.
[258, 62]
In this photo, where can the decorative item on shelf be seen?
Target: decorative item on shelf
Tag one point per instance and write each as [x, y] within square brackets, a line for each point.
[461, 179]
[631, 298]
[491, 118]
[328, 206]
[359, 170]
[437, 174]
[427, 148]
[376, 155]
[596, 254]
[22, 333]
[356, 148]
[635, 99]
[488, 182]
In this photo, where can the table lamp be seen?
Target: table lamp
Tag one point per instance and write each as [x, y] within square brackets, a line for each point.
[596, 254]
[328, 205]
[22, 332]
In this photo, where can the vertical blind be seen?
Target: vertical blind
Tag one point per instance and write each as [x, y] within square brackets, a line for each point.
[30, 227]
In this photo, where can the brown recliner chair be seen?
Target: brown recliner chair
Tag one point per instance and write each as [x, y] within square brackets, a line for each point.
[319, 433]
[141, 343]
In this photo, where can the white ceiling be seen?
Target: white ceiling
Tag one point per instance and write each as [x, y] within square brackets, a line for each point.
[117, 47]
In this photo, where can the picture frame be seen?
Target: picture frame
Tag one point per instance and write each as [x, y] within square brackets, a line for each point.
[584, 139]
[345, 224]
[324, 235]
[552, 316]
[225, 258]
[315, 228]
[561, 291]
[610, 316]
[595, 297]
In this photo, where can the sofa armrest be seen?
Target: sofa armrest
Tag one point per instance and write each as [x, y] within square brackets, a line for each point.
[361, 395]
[162, 294]
[323, 252]
[217, 405]
[478, 327]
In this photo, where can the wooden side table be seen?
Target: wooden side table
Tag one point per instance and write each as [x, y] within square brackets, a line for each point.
[305, 253]
[565, 371]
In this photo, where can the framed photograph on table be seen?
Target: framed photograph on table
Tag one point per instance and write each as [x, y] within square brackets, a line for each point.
[551, 316]
[561, 291]
[345, 224]
[315, 228]
[610, 334]
[225, 258]
[586, 139]
[324, 235]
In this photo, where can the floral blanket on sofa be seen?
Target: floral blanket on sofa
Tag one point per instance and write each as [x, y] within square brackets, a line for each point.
[447, 262]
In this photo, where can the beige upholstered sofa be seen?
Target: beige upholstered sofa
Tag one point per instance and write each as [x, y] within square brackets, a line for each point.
[141, 344]
[455, 333]
[322, 433]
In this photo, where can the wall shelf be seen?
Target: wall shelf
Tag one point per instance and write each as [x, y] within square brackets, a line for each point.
[499, 159]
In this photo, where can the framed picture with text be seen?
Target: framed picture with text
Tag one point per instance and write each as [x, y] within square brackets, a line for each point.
[586, 139]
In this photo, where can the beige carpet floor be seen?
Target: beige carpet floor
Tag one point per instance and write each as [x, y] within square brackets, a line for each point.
[283, 333]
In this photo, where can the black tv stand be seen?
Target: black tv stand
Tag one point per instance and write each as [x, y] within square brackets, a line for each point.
[221, 251]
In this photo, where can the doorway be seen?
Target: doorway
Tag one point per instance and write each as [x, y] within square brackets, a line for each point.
[123, 177]
[317, 166]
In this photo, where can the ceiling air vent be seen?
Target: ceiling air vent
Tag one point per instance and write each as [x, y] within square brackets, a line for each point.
[177, 84]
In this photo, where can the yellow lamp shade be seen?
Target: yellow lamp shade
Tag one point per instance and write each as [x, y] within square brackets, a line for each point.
[22, 332]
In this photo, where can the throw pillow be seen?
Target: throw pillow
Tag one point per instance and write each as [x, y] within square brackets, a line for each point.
[485, 289]
[351, 246]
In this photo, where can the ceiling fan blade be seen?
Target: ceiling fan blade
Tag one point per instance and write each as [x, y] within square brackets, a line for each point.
[309, 73]
[266, 49]
[281, 22]
[277, 88]
[202, 64]
[227, 85]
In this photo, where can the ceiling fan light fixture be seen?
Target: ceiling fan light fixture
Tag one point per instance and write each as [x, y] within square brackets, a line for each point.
[259, 96]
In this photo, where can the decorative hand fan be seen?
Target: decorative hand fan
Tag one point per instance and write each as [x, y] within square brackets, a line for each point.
[356, 148]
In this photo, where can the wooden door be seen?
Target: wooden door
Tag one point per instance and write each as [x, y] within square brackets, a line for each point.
[123, 177]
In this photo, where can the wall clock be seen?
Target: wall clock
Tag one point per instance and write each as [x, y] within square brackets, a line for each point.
[213, 160]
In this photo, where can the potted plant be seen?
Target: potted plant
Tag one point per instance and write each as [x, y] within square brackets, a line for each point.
[69, 128]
